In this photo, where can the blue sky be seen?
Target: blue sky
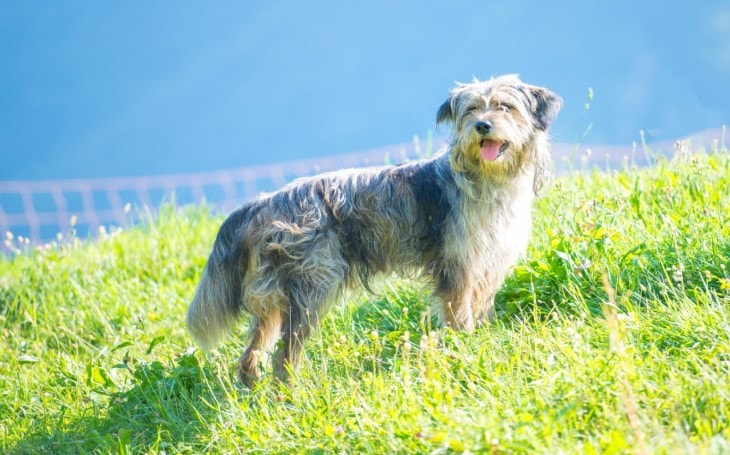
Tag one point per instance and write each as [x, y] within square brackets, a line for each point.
[94, 89]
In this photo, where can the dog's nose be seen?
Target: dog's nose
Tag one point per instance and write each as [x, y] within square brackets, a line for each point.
[483, 127]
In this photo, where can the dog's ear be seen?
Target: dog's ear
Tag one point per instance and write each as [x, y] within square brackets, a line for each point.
[446, 111]
[546, 107]
[543, 171]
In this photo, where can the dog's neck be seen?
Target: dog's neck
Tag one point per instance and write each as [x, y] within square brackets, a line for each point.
[478, 185]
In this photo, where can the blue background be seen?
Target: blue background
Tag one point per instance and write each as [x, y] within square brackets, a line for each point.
[95, 89]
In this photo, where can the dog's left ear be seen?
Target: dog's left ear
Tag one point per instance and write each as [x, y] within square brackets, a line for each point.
[546, 107]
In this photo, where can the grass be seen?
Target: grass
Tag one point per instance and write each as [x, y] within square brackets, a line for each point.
[613, 336]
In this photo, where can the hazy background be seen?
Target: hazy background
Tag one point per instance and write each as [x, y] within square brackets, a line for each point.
[96, 89]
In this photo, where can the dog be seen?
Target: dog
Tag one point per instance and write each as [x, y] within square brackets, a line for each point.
[461, 219]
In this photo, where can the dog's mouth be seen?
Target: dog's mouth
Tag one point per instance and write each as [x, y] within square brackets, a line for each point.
[492, 149]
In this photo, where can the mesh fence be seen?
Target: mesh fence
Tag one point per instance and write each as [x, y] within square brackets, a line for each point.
[39, 211]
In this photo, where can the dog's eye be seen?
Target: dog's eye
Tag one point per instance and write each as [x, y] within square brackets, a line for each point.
[503, 107]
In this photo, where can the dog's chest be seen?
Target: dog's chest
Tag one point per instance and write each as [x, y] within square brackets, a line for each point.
[495, 232]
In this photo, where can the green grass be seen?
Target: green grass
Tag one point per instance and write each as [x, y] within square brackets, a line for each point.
[613, 336]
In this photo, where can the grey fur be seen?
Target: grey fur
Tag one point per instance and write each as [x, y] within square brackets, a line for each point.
[458, 219]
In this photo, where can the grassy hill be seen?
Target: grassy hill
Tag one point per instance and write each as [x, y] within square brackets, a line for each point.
[613, 336]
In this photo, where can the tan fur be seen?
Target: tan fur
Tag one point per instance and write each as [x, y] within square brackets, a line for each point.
[458, 219]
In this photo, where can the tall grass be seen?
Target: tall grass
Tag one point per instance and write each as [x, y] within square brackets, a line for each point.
[612, 336]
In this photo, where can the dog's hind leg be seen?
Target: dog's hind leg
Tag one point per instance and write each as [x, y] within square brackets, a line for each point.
[296, 327]
[264, 331]
[307, 308]
[311, 285]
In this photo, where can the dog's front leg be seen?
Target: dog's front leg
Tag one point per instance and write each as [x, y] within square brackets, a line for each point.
[454, 294]
[483, 308]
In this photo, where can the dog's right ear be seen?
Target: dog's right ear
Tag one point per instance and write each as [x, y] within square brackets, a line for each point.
[446, 111]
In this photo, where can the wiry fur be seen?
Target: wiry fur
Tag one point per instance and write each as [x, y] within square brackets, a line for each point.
[460, 220]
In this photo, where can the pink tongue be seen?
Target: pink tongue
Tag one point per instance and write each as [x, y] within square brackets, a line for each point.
[490, 149]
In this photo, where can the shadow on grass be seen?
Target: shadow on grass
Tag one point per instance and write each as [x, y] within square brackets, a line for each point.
[167, 406]
[403, 306]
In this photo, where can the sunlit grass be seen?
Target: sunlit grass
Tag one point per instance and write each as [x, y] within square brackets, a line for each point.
[613, 336]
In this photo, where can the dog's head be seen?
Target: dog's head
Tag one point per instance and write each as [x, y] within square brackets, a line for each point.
[499, 125]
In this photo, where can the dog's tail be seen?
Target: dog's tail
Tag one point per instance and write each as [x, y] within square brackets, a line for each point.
[218, 298]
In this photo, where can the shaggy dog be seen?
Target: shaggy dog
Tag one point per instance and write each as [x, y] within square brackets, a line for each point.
[461, 219]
